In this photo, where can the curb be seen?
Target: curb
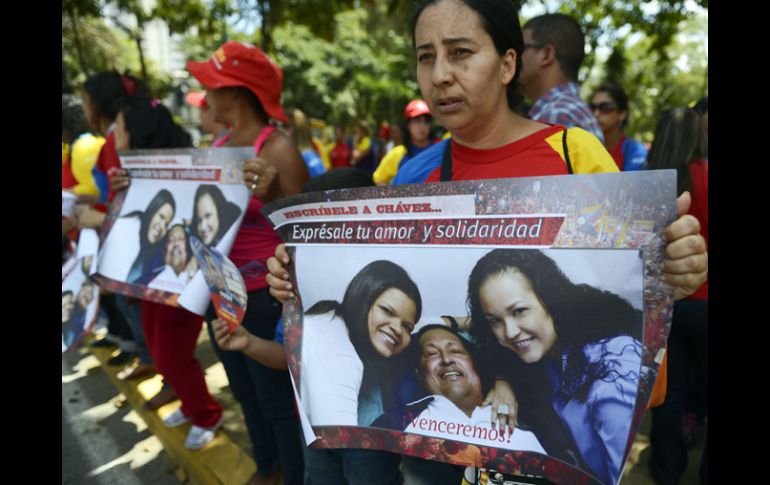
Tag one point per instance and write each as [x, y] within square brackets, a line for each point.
[220, 462]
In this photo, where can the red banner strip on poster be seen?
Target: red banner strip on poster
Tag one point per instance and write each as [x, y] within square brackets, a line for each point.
[194, 174]
[524, 230]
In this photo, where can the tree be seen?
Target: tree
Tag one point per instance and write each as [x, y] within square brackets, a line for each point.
[72, 12]
[365, 73]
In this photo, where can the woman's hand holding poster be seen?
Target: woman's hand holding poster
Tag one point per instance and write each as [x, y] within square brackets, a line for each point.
[513, 324]
[174, 195]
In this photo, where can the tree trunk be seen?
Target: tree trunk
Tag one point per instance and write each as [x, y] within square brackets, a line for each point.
[78, 47]
[138, 40]
[266, 25]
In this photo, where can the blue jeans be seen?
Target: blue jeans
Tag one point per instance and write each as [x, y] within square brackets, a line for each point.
[687, 342]
[265, 395]
[418, 471]
[132, 315]
[351, 467]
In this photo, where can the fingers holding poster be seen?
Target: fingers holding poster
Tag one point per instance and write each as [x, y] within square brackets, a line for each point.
[402, 341]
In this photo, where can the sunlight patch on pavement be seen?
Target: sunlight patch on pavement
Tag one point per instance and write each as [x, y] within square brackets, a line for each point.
[216, 379]
[134, 418]
[142, 453]
[98, 413]
[81, 369]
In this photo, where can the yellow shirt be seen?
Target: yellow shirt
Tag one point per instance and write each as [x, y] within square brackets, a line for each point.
[389, 165]
[85, 150]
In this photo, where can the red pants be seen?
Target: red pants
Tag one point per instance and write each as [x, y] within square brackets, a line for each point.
[171, 334]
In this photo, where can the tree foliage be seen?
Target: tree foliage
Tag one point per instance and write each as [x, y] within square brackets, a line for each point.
[345, 60]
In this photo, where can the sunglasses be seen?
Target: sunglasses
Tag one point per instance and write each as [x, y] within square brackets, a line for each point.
[605, 107]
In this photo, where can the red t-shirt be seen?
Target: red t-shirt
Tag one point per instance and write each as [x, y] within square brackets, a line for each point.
[617, 153]
[108, 161]
[68, 179]
[699, 173]
[256, 240]
[340, 155]
[534, 155]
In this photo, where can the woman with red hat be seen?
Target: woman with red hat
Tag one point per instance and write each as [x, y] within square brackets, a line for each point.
[209, 126]
[417, 137]
[243, 90]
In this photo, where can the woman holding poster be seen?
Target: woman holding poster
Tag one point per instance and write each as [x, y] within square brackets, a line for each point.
[171, 332]
[470, 56]
[470, 87]
[243, 89]
[587, 340]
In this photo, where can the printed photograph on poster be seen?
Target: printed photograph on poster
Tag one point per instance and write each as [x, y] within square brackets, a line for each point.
[146, 251]
[79, 295]
[225, 282]
[408, 357]
[417, 303]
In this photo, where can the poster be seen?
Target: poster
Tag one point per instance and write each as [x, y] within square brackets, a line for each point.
[68, 201]
[225, 282]
[174, 195]
[416, 301]
[79, 295]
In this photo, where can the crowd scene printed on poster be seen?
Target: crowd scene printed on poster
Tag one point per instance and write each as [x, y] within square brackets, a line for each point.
[225, 282]
[174, 195]
[79, 295]
[415, 302]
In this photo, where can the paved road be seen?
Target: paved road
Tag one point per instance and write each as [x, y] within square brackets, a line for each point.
[103, 440]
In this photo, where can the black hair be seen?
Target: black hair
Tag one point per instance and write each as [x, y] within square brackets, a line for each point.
[73, 302]
[618, 95]
[188, 247]
[227, 212]
[162, 198]
[501, 22]
[251, 99]
[73, 118]
[84, 284]
[338, 178]
[148, 250]
[565, 35]
[366, 286]
[679, 139]
[415, 352]
[581, 313]
[407, 137]
[702, 106]
[107, 91]
[150, 125]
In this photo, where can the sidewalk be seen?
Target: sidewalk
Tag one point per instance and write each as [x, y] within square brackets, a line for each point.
[227, 459]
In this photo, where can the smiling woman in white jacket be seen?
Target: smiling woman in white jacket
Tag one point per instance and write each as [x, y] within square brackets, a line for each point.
[347, 366]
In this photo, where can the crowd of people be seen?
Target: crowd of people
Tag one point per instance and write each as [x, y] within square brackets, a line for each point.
[474, 61]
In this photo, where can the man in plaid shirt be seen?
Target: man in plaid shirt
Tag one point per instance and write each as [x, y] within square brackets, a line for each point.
[553, 51]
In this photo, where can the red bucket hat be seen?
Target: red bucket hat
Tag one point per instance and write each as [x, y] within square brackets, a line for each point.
[415, 108]
[241, 64]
